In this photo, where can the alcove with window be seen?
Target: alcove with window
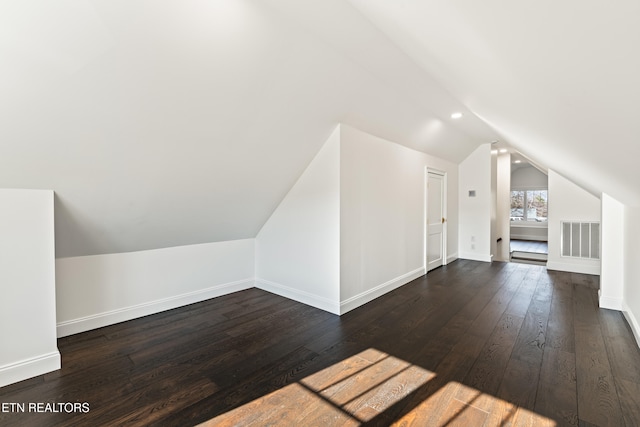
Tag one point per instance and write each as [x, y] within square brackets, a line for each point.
[529, 202]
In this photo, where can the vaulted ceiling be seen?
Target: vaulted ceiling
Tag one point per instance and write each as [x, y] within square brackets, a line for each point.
[560, 81]
[165, 122]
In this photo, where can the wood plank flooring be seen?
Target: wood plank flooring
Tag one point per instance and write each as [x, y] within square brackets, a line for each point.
[470, 344]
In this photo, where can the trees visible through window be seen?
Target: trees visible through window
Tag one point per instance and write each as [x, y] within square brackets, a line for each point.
[529, 205]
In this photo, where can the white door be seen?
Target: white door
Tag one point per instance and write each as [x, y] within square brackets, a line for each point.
[435, 220]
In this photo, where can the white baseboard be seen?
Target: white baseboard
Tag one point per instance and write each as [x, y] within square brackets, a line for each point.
[307, 298]
[364, 297]
[29, 368]
[100, 320]
[475, 257]
[573, 268]
[609, 303]
[633, 322]
[452, 258]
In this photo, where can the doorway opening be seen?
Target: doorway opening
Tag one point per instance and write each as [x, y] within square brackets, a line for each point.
[528, 213]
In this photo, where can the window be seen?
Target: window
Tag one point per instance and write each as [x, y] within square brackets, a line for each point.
[529, 205]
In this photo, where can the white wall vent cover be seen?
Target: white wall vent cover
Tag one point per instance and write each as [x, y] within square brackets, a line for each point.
[580, 239]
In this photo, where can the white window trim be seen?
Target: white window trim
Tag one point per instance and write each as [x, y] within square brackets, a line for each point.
[527, 223]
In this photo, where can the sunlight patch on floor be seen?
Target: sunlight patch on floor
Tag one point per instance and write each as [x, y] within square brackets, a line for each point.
[362, 387]
[456, 404]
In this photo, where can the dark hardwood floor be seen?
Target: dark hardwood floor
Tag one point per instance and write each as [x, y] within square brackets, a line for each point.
[469, 344]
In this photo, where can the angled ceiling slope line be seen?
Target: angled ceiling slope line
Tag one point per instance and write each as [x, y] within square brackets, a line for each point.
[566, 95]
[157, 129]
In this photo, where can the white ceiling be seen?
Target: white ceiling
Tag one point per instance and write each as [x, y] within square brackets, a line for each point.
[162, 123]
[560, 80]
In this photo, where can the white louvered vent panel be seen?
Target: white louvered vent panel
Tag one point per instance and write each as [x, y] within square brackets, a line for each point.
[580, 239]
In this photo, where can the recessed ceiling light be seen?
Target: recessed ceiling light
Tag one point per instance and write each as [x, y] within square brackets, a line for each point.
[456, 115]
[494, 151]
[517, 161]
[503, 150]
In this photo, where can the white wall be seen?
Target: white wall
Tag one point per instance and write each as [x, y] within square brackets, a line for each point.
[503, 202]
[528, 178]
[382, 211]
[612, 250]
[569, 202]
[535, 231]
[298, 248]
[631, 302]
[382, 215]
[27, 278]
[475, 212]
[99, 290]
[352, 228]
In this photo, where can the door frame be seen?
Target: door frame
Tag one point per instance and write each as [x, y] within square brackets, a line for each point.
[443, 174]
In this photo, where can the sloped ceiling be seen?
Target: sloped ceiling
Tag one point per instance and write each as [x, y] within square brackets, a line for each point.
[161, 123]
[559, 80]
